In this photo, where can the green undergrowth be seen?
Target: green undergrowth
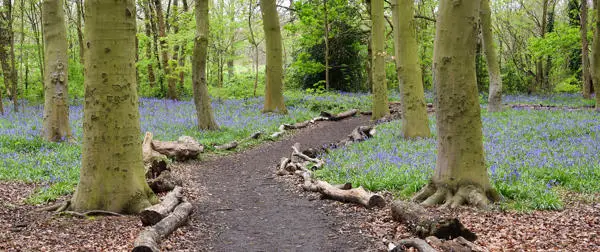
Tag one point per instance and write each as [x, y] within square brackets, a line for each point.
[531, 156]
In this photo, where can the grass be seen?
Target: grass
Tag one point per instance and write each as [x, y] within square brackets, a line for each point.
[530, 156]
[24, 156]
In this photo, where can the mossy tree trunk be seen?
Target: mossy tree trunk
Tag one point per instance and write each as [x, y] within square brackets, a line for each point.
[162, 34]
[460, 174]
[7, 53]
[585, 59]
[380, 99]
[491, 58]
[204, 112]
[112, 172]
[596, 53]
[56, 108]
[414, 112]
[274, 69]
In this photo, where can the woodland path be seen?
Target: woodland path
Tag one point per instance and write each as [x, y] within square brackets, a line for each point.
[244, 208]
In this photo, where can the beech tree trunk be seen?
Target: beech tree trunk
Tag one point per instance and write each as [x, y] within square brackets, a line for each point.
[204, 112]
[79, 23]
[112, 171]
[162, 34]
[460, 174]
[56, 108]
[380, 100]
[585, 71]
[495, 93]
[415, 122]
[148, 32]
[7, 53]
[596, 53]
[274, 69]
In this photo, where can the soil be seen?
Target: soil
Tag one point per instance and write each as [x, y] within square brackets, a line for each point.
[247, 209]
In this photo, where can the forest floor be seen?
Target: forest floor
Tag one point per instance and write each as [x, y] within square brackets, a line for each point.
[242, 206]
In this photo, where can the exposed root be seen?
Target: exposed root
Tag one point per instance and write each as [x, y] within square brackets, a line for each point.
[469, 194]
[58, 207]
[88, 213]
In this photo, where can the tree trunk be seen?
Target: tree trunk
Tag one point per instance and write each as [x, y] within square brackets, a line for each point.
[274, 69]
[495, 95]
[148, 32]
[7, 51]
[162, 34]
[204, 112]
[415, 122]
[80, 29]
[326, 28]
[112, 172]
[380, 100]
[585, 73]
[596, 53]
[56, 107]
[460, 174]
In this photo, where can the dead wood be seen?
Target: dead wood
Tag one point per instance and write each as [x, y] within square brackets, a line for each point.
[148, 239]
[359, 133]
[164, 182]
[340, 116]
[459, 244]
[183, 149]
[154, 162]
[282, 166]
[254, 135]
[227, 146]
[420, 244]
[299, 125]
[423, 223]
[354, 195]
[156, 213]
[58, 207]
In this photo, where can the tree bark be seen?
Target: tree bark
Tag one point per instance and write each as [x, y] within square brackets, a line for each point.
[460, 174]
[148, 32]
[204, 111]
[162, 34]
[156, 213]
[415, 122]
[596, 53]
[326, 28]
[112, 172]
[491, 58]
[184, 148]
[56, 108]
[380, 99]
[79, 23]
[423, 224]
[585, 71]
[7, 53]
[274, 69]
[149, 238]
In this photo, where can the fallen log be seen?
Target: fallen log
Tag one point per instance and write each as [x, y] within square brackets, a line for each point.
[420, 244]
[281, 170]
[355, 195]
[254, 135]
[359, 133]
[154, 162]
[298, 125]
[183, 149]
[340, 116]
[148, 239]
[227, 146]
[424, 224]
[164, 182]
[156, 213]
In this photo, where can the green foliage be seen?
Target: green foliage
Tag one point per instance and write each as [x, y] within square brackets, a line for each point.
[568, 85]
[346, 41]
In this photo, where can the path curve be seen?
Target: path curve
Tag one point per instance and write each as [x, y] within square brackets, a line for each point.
[247, 210]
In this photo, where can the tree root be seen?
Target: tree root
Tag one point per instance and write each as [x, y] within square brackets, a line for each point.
[468, 194]
[59, 207]
[88, 213]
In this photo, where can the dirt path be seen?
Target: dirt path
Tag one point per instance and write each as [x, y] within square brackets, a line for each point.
[247, 210]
